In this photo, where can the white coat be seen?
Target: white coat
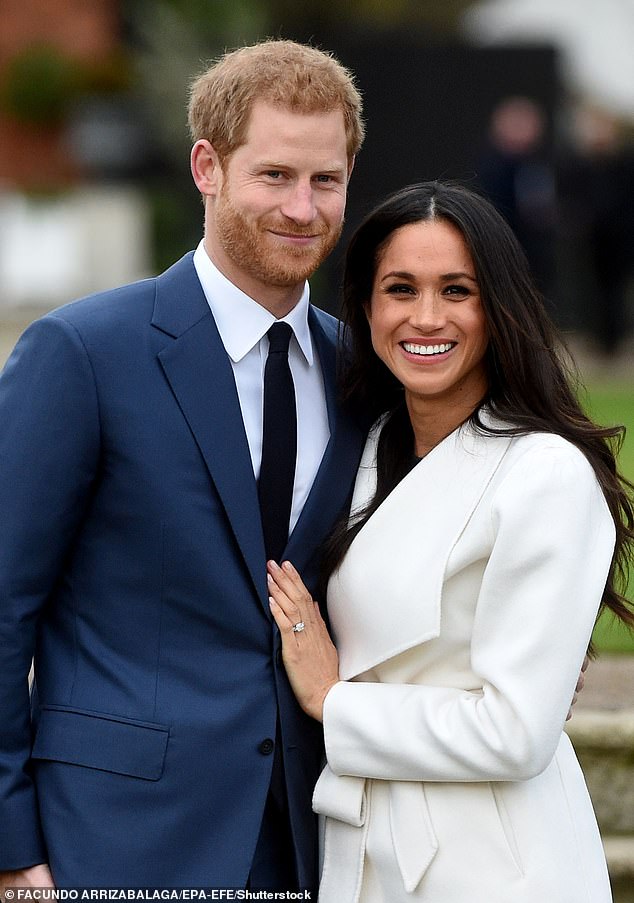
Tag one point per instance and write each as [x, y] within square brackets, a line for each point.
[462, 613]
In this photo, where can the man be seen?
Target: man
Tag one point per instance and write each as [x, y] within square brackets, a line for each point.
[165, 747]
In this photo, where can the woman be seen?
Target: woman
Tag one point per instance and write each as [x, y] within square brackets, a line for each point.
[488, 528]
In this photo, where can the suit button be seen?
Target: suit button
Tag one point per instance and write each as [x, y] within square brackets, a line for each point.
[266, 747]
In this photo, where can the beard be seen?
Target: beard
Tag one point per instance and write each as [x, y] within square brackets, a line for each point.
[250, 245]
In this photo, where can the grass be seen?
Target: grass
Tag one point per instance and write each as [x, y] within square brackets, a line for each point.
[609, 404]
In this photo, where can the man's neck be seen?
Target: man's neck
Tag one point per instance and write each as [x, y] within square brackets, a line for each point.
[279, 300]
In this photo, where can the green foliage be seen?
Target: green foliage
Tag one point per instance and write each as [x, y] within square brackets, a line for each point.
[38, 85]
[611, 404]
[610, 636]
[41, 83]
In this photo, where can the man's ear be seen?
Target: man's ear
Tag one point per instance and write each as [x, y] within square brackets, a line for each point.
[206, 168]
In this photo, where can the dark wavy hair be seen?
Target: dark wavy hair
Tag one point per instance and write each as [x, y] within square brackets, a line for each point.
[530, 375]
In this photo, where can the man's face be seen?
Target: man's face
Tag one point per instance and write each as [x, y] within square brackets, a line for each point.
[279, 207]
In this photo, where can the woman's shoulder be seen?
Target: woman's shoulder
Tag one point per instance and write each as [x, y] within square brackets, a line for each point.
[540, 463]
[546, 446]
[545, 479]
[536, 444]
[543, 468]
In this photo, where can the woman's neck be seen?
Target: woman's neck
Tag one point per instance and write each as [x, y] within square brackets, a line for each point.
[433, 421]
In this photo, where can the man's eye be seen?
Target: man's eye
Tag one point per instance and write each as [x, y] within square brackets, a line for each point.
[324, 179]
[273, 173]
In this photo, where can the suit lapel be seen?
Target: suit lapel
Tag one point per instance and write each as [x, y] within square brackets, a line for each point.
[199, 372]
[333, 482]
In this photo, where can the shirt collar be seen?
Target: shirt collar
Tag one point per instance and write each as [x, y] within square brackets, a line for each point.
[241, 321]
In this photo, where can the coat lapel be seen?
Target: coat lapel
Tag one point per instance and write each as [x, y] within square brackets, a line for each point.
[199, 372]
[385, 598]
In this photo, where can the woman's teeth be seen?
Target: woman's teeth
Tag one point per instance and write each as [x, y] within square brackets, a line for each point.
[428, 349]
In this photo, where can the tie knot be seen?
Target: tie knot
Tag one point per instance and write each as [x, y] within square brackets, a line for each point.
[279, 336]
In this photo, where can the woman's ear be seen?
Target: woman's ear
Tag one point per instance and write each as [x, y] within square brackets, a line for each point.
[206, 168]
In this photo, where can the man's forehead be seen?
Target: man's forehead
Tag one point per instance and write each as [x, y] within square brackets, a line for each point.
[280, 137]
[266, 118]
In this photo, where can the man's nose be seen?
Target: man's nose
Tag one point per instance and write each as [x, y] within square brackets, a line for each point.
[299, 205]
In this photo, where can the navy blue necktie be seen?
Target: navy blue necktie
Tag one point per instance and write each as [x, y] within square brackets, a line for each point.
[279, 443]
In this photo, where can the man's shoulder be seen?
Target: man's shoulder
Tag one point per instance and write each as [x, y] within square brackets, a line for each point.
[109, 301]
[122, 304]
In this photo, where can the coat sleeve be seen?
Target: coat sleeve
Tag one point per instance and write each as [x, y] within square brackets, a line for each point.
[553, 540]
[49, 449]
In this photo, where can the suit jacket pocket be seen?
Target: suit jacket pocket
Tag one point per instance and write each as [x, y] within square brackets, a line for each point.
[104, 742]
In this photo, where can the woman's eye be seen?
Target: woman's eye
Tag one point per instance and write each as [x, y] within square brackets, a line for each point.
[458, 291]
[400, 289]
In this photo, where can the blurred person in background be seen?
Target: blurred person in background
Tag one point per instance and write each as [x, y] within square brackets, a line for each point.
[163, 745]
[516, 172]
[489, 526]
[596, 183]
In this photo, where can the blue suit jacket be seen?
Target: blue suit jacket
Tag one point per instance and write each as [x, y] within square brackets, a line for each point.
[132, 566]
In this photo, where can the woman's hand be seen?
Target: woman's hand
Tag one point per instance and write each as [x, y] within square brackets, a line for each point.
[580, 684]
[310, 658]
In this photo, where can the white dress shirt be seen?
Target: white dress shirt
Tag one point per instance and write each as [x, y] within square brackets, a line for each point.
[243, 324]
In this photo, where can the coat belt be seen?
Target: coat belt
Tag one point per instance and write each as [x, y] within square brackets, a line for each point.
[343, 799]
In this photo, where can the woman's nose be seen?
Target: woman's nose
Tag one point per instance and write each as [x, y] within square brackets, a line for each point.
[428, 313]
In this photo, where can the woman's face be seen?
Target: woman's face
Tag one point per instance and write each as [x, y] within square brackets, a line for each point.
[426, 316]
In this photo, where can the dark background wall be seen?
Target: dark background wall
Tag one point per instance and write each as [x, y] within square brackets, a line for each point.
[427, 107]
